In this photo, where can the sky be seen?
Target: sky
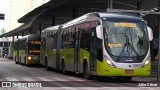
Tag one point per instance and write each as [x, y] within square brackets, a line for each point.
[4, 8]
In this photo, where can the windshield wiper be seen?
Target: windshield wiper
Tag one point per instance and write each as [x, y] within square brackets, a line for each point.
[128, 48]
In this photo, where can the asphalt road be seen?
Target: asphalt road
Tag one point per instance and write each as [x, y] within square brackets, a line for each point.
[17, 77]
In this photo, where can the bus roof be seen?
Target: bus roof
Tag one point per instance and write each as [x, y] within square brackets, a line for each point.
[119, 15]
[99, 15]
[81, 19]
[52, 28]
[90, 17]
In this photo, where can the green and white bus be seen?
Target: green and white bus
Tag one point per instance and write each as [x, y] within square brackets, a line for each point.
[103, 44]
[27, 50]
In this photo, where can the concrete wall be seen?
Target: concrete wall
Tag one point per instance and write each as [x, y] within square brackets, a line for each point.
[149, 4]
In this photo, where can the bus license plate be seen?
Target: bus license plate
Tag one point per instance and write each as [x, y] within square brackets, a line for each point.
[129, 71]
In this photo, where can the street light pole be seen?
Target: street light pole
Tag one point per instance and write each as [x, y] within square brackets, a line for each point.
[110, 4]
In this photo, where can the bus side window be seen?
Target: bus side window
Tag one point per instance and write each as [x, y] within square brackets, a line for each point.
[54, 42]
[70, 39]
[85, 39]
[62, 40]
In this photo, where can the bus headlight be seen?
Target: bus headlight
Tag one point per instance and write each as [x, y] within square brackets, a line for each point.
[146, 63]
[29, 57]
[110, 63]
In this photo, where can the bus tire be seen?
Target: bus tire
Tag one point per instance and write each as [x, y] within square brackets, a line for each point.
[128, 78]
[63, 67]
[46, 64]
[16, 62]
[86, 73]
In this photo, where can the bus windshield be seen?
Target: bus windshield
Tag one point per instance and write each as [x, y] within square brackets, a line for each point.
[125, 38]
[34, 47]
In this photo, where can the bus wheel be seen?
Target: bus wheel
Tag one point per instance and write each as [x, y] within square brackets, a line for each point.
[86, 71]
[46, 65]
[16, 61]
[128, 78]
[63, 68]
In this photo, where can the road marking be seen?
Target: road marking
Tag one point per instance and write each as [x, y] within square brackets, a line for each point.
[44, 79]
[28, 79]
[11, 79]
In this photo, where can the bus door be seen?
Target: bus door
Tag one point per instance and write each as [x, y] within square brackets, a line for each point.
[93, 51]
[77, 51]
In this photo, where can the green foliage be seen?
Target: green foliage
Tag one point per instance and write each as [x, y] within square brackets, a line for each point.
[2, 31]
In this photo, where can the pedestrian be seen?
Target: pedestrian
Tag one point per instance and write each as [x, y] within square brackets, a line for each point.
[155, 47]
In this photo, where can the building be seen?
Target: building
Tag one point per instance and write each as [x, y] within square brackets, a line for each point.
[19, 8]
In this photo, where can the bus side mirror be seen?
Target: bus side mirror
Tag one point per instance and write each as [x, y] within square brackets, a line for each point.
[99, 31]
[150, 33]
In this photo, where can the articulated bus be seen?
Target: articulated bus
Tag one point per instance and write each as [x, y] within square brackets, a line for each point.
[27, 50]
[103, 44]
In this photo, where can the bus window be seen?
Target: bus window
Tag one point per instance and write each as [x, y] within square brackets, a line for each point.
[34, 47]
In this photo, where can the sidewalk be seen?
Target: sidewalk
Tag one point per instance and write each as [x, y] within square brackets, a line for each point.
[1, 58]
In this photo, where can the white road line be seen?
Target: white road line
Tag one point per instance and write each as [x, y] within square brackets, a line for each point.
[44, 79]
[76, 79]
[11, 79]
[28, 79]
[59, 79]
